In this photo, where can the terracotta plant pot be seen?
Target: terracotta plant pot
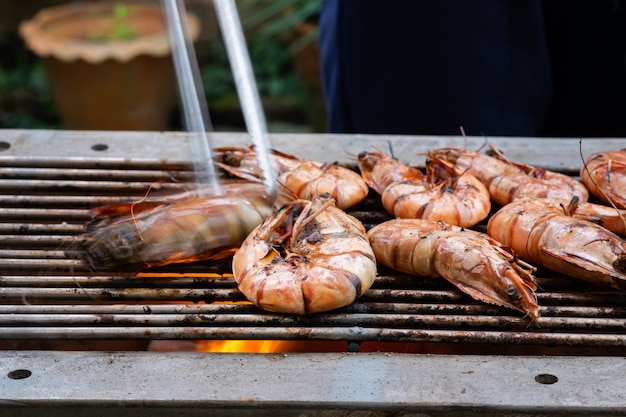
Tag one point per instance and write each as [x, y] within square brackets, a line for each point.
[103, 74]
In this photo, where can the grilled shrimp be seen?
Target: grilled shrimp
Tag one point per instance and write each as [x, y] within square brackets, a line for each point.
[604, 174]
[308, 257]
[507, 180]
[188, 229]
[470, 260]
[544, 232]
[443, 194]
[298, 177]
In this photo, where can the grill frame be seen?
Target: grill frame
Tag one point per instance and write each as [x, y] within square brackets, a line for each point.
[159, 156]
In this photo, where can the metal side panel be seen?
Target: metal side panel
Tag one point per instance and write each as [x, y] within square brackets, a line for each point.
[560, 154]
[333, 384]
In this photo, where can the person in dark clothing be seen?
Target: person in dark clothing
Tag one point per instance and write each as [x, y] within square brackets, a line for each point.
[493, 67]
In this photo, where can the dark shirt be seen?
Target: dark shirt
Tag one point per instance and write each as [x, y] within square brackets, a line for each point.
[493, 67]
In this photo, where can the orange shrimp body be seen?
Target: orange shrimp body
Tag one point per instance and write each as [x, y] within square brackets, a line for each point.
[298, 177]
[604, 174]
[507, 180]
[308, 257]
[544, 232]
[470, 260]
[444, 194]
[380, 171]
[185, 230]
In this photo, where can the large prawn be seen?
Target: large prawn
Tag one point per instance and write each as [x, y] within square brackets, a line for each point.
[544, 232]
[308, 257]
[470, 260]
[186, 228]
[604, 174]
[508, 180]
[444, 193]
[298, 177]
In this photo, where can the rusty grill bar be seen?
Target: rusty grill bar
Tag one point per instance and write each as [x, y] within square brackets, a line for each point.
[45, 294]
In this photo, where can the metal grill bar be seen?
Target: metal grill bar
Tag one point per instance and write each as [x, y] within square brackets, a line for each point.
[37, 214]
[84, 187]
[344, 333]
[123, 165]
[61, 201]
[377, 320]
[76, 174]
[381, 308]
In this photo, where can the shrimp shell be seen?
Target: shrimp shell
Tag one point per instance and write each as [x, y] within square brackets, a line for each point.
[185, 230]
[605, 216]
[507, 180]
[308, 257]
[604, 174]
[444, 194]
[298, 177]
[470, 260]
[380, 171]
[544, 232]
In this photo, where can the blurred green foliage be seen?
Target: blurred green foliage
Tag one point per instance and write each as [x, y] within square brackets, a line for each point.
[273, 39]
[280, 20]
[272, 66]
[25, 100]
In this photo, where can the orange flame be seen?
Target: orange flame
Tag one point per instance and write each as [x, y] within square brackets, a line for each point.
[268, 346]
[304, 346]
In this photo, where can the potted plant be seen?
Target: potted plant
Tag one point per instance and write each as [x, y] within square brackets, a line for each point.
[108, 64]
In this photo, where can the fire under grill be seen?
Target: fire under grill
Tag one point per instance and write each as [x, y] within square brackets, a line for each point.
[47, 294]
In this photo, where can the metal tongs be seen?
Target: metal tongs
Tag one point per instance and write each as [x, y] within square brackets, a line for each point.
[194, 104]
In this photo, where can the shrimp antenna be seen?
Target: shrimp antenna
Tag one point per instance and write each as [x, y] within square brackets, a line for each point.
[485, 143]
[530, 323]
[308, 215]
[462, 129]
[586, 168]
[291, 193]
[390, 146]
[351, 155]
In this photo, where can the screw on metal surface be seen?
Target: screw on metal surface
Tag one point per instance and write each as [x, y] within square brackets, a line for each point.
[100, 147]
[546, 379]
[19, 374]
[354, 346]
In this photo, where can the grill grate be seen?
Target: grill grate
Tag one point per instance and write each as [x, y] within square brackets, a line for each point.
[45, 294]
